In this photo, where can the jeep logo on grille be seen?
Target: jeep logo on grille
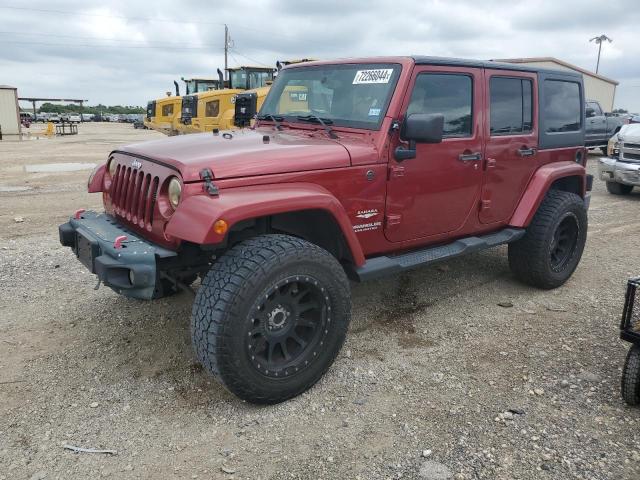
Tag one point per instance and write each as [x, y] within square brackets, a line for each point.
[136, 164]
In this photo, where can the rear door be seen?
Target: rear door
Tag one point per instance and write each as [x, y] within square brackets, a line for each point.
[438, 190]
[511, 147]
[596, 125]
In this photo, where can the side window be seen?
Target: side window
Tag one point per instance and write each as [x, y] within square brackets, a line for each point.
[167, 110]
[212, 108]
[511, 105]
[561, 108]
[597, 111]
[449, 94]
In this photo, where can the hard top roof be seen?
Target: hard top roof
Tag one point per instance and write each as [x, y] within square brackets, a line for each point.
[445, 61]
[459, 62]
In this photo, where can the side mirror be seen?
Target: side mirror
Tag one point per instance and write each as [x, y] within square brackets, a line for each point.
[590, 112]
[423, 127]
[419, 128]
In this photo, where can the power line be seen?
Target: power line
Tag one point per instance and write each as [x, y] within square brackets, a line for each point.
[135, 47]
[250, 59]
[98, 38]
[144, 19]
[99, 15]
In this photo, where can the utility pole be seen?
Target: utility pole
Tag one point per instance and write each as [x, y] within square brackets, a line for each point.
[226, 50]
[599, 41]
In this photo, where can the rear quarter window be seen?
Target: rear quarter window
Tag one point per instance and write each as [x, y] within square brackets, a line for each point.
[561, 107]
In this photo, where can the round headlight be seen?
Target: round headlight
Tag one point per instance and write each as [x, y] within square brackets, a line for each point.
[112, 167]
[174, 191]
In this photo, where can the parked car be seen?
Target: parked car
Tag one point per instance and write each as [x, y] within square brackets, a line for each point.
[600, 126]
[54, 117]
[87, 117]
[622, 173]
[71, 117]
[382, 166]
[139, 124]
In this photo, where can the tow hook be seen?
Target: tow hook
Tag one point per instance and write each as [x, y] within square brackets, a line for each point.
[209, 187]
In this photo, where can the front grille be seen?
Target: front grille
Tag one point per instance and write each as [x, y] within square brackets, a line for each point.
[630, 156]
[632, 145]
[134, 194]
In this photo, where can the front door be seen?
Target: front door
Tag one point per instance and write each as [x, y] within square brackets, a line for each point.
[436, 192]
[512, 142]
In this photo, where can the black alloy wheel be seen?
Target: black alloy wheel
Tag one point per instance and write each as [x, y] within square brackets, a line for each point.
[287, 326]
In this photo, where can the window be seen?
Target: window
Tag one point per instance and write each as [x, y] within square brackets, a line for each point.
[511, 106]
[448, 94]
[561, 108]
[212, 108]
[167, 110]
[346, 95]
[597, 111]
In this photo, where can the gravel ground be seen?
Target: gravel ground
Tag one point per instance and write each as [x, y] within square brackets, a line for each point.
[436, 380]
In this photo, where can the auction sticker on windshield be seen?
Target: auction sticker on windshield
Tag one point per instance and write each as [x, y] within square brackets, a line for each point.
[381, 75]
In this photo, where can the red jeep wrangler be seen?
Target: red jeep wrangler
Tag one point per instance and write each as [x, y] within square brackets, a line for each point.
[355, 169]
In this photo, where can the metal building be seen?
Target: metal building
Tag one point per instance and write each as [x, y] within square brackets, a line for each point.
[596, 87]
[9, 111]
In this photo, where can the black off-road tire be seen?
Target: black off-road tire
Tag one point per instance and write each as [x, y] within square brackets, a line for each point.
[530, 258]
[631, 377]
[619, 188]
[227, 307]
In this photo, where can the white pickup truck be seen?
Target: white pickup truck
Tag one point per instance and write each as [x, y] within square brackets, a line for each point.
[623, 173]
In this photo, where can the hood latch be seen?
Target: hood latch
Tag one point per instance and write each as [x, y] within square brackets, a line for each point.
[209, 187]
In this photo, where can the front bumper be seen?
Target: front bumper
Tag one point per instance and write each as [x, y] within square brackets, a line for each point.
[613, 170]
[129, 269]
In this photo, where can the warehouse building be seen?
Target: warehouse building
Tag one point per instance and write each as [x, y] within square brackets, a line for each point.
[596, 87]
[9, 111]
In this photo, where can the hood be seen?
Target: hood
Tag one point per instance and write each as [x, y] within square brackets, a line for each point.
[246, 153]
[630, 132]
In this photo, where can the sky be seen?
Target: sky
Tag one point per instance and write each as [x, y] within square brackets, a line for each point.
[124, 52]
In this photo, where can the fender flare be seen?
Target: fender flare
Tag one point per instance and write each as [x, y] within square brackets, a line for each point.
[539, 185]
[194, 218]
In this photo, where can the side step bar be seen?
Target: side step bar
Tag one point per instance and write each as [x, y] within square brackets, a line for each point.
[382, 266]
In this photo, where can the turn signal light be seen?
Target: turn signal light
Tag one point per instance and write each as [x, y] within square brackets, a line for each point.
[220, 227]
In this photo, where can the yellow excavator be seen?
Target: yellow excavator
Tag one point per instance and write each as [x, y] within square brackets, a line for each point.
[163, 114]
[215, 109]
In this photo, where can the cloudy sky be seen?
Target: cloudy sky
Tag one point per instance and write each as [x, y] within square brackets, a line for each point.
[125, 52]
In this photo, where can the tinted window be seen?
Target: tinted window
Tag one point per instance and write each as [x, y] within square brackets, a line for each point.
[448, 94]
[561, 107]
[511, 102]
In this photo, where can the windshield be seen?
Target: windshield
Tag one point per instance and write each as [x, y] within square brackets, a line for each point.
[197, 86]
[347, 95]
[249, 79]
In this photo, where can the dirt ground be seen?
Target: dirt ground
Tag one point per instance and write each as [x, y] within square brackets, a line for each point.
[436, 379]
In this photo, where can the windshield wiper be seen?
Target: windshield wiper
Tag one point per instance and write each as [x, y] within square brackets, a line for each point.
[325, 122]
[276, 120]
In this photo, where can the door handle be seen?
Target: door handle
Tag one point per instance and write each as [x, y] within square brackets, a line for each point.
[470, 157]
[526, 152]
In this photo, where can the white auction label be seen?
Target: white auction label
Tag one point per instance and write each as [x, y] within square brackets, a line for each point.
[382, 75]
